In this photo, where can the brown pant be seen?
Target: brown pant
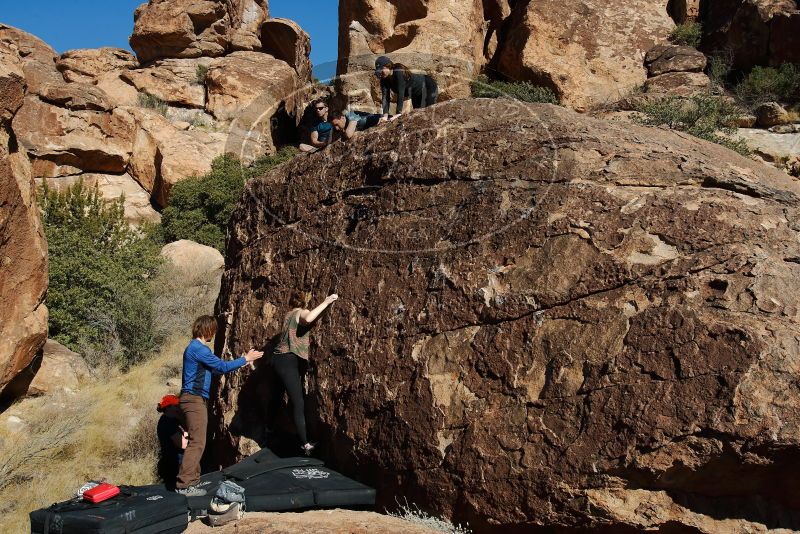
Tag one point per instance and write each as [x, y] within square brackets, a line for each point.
[195, 412]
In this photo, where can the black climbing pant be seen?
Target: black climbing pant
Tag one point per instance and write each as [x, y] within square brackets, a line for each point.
[287, 367]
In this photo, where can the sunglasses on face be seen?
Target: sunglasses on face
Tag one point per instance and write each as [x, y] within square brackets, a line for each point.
[320, 109]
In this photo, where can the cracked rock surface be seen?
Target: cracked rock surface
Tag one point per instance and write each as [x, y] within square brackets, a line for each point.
[547, 321]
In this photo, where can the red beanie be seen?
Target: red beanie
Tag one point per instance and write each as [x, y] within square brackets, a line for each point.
[168, 400]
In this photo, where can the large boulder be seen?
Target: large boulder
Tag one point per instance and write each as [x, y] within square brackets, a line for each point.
[60, 369]
[753, 32]
[674, 58]
[440, 37]
[191, 28]
[545, 320]
[199, 268]
[589, 52]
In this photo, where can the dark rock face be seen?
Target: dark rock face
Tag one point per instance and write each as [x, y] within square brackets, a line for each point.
[545, 321]
[754, 32]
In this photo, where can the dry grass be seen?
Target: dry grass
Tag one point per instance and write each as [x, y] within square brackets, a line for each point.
[106, 430]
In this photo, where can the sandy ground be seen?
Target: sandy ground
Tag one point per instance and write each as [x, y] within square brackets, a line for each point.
[314, 522]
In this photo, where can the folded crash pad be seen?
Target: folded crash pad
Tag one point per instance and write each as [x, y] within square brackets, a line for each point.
[136, 510]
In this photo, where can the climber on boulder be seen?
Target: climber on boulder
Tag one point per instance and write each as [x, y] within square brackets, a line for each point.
[293, 346]
[322, 132]
[396, 78]
[199, 363]
[350, 122]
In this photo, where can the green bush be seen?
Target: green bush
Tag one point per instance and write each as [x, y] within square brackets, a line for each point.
[704, 116]
[688, 33]
[146, 100]
[768, 84]
[199, 208]
[201, 72]
[524, 91]
[99, 296]
[719, 68]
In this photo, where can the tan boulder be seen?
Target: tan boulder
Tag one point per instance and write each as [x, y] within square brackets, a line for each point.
[88, 140]
[163, 155]
[118, 91]
[23, 284]
[88, 64]
[284, 39]
[25, 47]
[772, 147]
[195, 28]
[674, 58]
[678, 83]
[590, 52]
[771, 114]
[60, 370]
[439, 37]
[199, 268]
[175, 81]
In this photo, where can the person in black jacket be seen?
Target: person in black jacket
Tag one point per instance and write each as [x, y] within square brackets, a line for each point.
[397, 78]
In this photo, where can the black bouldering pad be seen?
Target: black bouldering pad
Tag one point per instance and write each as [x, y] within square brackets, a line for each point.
[136, 510]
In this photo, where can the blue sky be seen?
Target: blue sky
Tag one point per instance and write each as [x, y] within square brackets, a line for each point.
[68, 24]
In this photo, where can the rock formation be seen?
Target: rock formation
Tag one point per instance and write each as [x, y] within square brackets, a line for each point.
[589, 52]
[23, 250]
[440, 37]
[204, 84]
[191, 28]
[546, 320]
[753, 32]
[60, 370]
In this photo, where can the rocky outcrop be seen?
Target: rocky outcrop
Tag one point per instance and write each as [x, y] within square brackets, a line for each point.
[177, 82]
[190, 29]
[753, 32]
[440, 37]
[88, 64]
[23, 250]
[589, 52]
[284, 39]
[60, 370]
[545, 320]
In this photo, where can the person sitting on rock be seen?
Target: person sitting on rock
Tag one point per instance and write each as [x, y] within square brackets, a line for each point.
[397, 78]
[348, 123]
[293, 346]
[172, 438]
[321, 133]
[199, 363]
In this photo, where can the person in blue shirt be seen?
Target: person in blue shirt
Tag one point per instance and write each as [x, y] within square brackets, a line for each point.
[322, 132]
[199, 363]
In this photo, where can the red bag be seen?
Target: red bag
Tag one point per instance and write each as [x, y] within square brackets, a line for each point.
[100, 493]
